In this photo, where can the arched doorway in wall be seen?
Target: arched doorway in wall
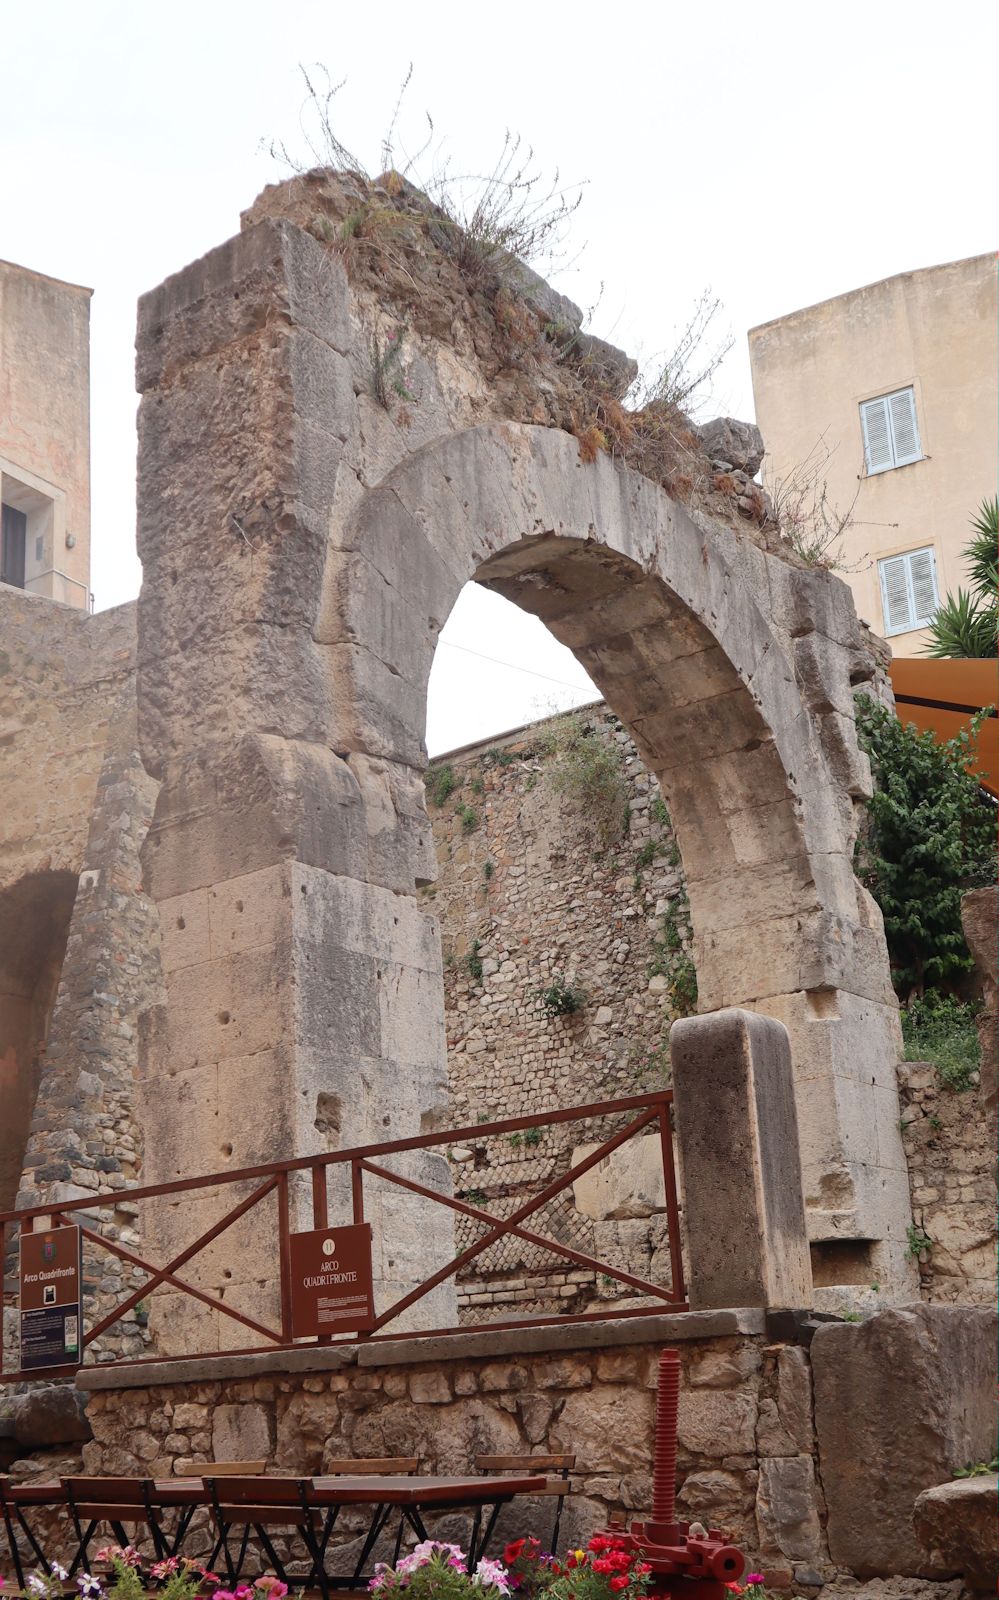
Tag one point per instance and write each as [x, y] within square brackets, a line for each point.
[566, 948]
[732, 673]
[34, 925]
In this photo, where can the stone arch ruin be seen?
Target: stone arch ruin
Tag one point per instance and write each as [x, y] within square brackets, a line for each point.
[302, 548]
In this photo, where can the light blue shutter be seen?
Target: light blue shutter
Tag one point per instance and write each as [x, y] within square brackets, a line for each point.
[895, 594]
[923, 578]
[877, 435]
[904, 430]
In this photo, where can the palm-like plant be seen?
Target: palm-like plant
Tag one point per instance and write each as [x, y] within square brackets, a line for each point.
[967, 622]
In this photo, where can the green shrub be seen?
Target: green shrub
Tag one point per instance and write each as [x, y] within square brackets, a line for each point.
[560, 998]
[930, 836]
[469, 818]
[473, 961]
[919, 1242]
[942, 1030]
[671, 958]
[647, 854]
[440, 784]
[589, 770]
[659, 812]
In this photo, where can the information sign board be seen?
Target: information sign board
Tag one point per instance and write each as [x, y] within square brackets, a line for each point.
[51, 1273]
[331, 1281]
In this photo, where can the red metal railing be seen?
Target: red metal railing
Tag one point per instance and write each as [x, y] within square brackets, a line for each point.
[652, 1110]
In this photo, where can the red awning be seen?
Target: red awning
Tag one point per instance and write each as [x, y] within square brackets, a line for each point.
[943, 696]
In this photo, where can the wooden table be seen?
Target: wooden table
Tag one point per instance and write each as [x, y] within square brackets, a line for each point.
[412, 1496]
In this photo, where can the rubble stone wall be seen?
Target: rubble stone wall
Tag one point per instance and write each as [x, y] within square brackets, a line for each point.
[747, 1442]
[949, 1140]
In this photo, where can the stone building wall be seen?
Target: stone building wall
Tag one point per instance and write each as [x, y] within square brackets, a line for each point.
[528, 879]
[76, 806]
[45, 427]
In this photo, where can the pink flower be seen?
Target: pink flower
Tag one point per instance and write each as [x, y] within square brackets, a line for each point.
[491, 1575]
[756, 1577]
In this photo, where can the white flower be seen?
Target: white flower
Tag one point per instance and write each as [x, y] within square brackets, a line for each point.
[491, 1575]
[59, 1572]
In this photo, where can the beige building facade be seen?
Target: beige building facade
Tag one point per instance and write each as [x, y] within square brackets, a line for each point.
[45, 435]
[887, 395]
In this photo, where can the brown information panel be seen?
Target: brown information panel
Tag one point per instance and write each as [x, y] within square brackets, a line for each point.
[331, 1281]
[50, 1278]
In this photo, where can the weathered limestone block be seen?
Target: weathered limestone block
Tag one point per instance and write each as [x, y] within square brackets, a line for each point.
[718, 1499]
[785, 1426]
[958, 1527]
[717, 1423]
[901, 1401]
[853, 1163]
[604, 1422]
[737, 1132]
[786, 1510]
[242, 1433]
[624, 1185]
[725, 1368]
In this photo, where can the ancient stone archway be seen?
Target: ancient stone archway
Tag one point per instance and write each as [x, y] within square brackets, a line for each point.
[301, 553]
[740, 702]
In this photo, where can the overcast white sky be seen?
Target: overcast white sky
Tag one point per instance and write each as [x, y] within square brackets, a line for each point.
[778, 152]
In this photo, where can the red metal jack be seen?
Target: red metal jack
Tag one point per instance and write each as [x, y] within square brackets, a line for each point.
[695, 1566]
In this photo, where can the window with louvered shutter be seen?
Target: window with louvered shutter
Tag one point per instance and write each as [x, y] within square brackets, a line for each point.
[891, 432]
[923, 579]
[908, 590]
[877, 436]
[904, 433]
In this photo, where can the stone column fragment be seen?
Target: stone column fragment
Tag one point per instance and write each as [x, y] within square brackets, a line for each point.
[738, 1138]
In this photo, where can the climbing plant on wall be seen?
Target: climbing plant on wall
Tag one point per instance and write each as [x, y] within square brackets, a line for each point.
[930, 836]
